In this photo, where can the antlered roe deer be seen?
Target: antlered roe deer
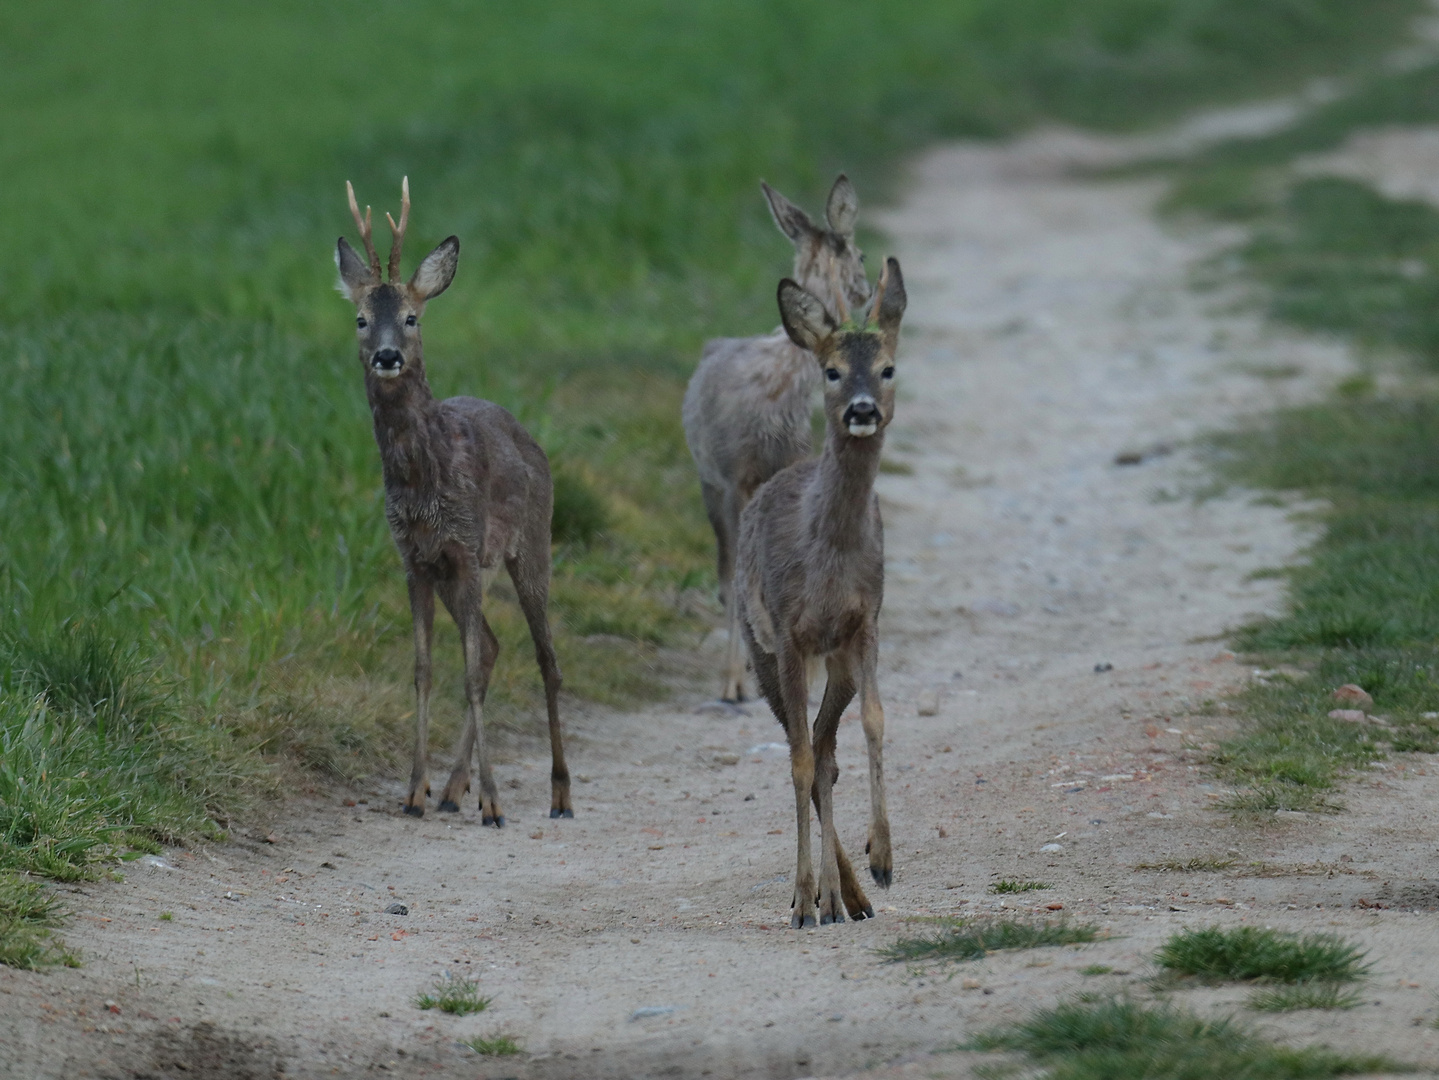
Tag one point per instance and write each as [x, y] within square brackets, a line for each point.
[466, 487]
[747, 407]
[810, 581]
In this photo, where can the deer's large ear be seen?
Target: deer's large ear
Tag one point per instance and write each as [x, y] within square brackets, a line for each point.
[842, 209]
[890, 299]
[437, 270]
[805, 319]
[792, 221]
[355, 273]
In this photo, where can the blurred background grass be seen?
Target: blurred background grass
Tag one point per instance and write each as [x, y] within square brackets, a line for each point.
[188, 484]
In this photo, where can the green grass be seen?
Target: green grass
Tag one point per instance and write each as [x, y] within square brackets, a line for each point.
[1118, 1039]
[1197, 864]
[28, 914]
[972, 939]
[187, 473]
[1005, 885]
[453, 994]
[1333, 256]
[1091, 970]
[1249, 953]
[497, 1045]
[1305, 996]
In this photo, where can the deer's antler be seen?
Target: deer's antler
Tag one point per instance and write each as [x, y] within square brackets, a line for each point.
[398, 231]
[363, 224]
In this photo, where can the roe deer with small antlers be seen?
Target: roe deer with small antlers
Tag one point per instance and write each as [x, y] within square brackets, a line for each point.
[466, 487]
[810, 581]
[746, 410]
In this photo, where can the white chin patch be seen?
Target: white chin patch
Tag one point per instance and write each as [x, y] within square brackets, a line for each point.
[387, 373]
[863, 430]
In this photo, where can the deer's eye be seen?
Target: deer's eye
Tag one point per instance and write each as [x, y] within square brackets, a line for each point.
[361, 323]
[410, 320]
[888, 372]
[832, 374]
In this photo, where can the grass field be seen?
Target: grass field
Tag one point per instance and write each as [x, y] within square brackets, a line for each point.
[196, 577]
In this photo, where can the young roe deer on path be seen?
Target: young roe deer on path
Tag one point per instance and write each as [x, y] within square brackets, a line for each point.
[465, 487]
[810, 581]
[746, 410]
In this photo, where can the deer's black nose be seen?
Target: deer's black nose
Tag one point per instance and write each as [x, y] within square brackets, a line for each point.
[389, 360]
[862, 412]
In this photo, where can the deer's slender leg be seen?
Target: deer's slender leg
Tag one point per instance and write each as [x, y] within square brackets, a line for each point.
[422, 613]
[463, 595]
[532, 587]
[728, 535]
[795, 717]
[839, 691]
[459, 781]
[871, 715]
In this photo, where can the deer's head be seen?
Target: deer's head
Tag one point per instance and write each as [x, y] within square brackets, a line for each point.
[387, 312]
[857, 357]
[827, 261]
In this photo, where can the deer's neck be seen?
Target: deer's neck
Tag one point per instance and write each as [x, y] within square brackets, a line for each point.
[847, 469]
[402, 415]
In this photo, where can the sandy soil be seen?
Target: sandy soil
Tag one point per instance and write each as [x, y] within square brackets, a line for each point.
[1051, 329]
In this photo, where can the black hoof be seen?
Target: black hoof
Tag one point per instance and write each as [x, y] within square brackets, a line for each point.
[557, 813]
[448, 807]
[868, 912]
[497, 822]
[415, 811]
[881, 877]
[825, 920]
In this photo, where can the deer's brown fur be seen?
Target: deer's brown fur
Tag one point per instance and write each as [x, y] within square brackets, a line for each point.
[810, 582]
[466, 488]
[747, 407]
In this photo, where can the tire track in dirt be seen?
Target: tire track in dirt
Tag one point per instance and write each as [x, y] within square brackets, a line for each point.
[1051, 328]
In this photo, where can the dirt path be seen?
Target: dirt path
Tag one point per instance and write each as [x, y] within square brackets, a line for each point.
[1050, 329]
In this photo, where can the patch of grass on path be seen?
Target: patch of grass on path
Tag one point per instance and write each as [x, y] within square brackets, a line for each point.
[1006, 885]
[497, 1045]
[1118, 1039]
[453, 994]
[1249, 953]
[1305, 996]
[971, 939]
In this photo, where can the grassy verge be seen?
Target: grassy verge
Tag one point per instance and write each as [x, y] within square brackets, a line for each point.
[1332, 255]
[453, 994]
[187, 474]
[973, 939]
[1117, 1039]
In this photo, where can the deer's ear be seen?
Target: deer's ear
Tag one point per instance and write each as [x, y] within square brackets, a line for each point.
[889, 305]
[842, 209]
[792, 221]
[355, 273]
[805, 319]
[437, 270]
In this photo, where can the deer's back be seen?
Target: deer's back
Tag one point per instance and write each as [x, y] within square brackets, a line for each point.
[746, 410]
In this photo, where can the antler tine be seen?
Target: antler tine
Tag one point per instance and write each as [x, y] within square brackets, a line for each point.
[399, 230]
[879, 292]
[838, 291]
[363, 224]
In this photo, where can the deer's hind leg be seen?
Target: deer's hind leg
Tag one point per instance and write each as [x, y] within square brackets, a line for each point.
[723, 509]
[422, 613]
[459, 781]
[532, 585]
[839, 692]
[881, 856]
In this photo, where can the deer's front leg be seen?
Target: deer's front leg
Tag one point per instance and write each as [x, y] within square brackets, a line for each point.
[871, 715]
[801, 762]
[459, 781]
[466, 609]
[422, 613]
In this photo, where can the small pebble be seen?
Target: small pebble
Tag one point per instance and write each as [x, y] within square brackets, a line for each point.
[397, 909]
